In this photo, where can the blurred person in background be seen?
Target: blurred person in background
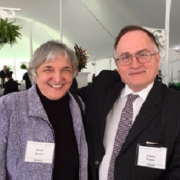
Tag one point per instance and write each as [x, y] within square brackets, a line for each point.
[27, 80]
[3, 74]
[10, 85]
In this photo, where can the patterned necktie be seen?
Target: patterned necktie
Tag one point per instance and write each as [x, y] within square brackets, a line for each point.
[122, 131]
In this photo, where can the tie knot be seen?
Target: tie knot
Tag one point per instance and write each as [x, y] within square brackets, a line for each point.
[131, 97]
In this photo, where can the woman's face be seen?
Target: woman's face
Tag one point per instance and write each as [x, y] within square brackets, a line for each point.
[54, 78]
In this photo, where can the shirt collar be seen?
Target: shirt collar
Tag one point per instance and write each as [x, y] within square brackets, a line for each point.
[142, 94]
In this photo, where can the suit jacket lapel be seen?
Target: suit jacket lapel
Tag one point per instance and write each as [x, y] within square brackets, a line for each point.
[111, 97]
[146, 114]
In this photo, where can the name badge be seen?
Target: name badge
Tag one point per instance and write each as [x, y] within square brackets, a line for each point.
[39, 152]
[151, 156]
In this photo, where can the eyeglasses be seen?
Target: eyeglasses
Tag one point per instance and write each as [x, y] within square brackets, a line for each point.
[142, 57]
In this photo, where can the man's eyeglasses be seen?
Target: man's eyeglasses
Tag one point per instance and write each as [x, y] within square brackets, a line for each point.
[142, 57]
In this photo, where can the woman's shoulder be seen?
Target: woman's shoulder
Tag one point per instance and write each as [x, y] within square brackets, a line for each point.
[12, 99]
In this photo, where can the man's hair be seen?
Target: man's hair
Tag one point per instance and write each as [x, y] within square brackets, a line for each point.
[47, 52]
[130, 28]
[9, 74]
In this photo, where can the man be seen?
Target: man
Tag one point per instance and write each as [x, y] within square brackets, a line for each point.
[10, 85]
[3, 74]
[159, 76]
[74, 86]
[150, 148]
[27, 80]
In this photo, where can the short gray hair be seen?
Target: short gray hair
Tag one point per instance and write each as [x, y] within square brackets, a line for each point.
[47, 52]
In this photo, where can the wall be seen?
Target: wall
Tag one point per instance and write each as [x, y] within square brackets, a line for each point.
[98, 66]
[174, 66]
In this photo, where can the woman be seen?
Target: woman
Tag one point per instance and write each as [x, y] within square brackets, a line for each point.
[41, 130]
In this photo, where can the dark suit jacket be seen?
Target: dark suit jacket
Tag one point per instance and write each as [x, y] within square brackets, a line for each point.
[27, 80]
[74, 86]
[3, 76]
[10, 86]
[158, 121]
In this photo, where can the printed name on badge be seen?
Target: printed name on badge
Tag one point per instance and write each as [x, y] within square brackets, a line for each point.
[151, 156]
[40, 152]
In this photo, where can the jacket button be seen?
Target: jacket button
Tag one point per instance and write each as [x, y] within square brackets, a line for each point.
[96, 162]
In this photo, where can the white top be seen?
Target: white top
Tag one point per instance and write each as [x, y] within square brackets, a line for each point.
[112, 122]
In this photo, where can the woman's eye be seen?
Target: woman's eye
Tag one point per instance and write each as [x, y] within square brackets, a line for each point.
[66, 70]
[48, 70]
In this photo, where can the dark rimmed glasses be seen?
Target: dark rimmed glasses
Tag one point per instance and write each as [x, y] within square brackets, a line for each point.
[142, 57]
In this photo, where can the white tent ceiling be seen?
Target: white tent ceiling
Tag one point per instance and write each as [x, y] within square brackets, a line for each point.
[92, 24]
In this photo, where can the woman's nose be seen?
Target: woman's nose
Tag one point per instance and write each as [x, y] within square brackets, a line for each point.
[57, 76]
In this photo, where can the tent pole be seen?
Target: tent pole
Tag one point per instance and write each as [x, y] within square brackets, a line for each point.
[167, 24]
[60, 16]
[30, 40]
[14, 62]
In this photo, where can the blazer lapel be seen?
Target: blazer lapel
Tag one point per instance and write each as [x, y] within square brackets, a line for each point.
[111, 97]
[146, 114]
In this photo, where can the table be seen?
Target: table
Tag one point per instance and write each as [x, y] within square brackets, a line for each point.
[177, 88]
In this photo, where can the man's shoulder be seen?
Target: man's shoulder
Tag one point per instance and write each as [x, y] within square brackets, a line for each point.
[170, 94]
[109, 73]
[106, 79]
[11, 81]
[108, 76]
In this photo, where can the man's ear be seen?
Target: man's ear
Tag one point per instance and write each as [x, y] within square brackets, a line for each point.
[157, 57]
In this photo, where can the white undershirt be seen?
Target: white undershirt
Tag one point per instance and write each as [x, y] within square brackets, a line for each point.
[112, 122]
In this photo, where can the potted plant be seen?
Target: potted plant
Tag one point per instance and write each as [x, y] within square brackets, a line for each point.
[8, 32]
[23, 66]
[8, 68]
[82, 57]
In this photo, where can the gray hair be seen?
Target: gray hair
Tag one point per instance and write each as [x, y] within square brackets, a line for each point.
[47, 52]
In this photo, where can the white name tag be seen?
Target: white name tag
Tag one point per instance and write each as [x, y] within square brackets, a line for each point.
[153, 157]
[39, 152]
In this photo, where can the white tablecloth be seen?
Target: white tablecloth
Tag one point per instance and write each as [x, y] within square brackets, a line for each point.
[1, 91]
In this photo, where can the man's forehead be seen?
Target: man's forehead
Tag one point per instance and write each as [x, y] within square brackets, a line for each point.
[132, 36]
[135, 41]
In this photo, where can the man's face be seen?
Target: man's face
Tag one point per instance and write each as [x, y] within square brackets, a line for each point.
[137, 75]
[5, 68]
[54, 78]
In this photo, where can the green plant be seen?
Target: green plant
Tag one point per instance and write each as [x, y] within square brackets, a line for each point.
[82, 57]
[177, 84]
[8, 32]
[8, 68]
[23, 66]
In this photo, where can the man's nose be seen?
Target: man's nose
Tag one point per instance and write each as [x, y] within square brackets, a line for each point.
[135, 61]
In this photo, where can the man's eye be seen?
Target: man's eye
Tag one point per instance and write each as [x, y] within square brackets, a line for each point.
[143, 54]
[124, 58]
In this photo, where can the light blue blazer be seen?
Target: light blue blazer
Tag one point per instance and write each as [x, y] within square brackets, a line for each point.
[23, 119]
